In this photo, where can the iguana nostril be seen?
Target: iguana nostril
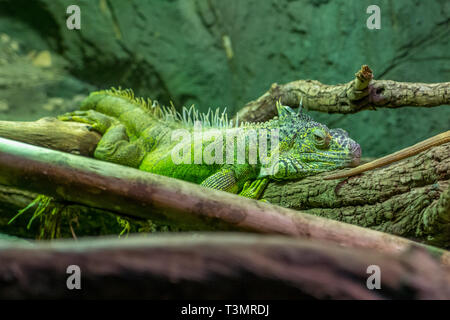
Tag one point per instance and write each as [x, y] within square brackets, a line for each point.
[356, 154]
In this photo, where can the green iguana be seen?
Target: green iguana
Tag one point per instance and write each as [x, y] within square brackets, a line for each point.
[140, 134]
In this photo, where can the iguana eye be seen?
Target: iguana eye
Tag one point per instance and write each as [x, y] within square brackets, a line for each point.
[321, 138]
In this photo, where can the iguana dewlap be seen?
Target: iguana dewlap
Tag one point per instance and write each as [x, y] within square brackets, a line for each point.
[140, 134]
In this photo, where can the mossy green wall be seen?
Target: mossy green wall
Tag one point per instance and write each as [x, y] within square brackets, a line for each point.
[173, 50]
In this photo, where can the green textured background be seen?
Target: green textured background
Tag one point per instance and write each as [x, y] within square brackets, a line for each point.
[173, 50]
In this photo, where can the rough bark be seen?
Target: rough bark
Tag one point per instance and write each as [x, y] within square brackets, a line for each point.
[354, 96]
[72, 137]
[404, 199]
[143, 195]
[409, 198]
[240, 266]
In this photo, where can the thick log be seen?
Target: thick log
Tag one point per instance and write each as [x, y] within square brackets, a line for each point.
[72, 137]
[409, 198]
[354, 96]
[240, 266]
[138, 194]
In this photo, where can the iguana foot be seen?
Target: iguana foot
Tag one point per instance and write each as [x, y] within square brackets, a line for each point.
[254, 189]
[224, 180]
[97, 120]
[115, 146]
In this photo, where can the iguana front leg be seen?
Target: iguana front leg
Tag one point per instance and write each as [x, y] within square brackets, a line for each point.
[226, 180]
[114, 146]
[254, 189]
[98, 121]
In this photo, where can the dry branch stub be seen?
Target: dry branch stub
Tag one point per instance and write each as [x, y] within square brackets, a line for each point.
[362, 93]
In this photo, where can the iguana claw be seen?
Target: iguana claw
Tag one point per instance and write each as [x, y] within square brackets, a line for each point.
[98, 121]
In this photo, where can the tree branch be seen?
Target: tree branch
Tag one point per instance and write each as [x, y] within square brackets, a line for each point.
[182, 266]
[139, 194]
[354, 96]
[71, 137]
[408, 198]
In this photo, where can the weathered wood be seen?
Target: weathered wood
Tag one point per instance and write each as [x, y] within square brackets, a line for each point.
[354, 96]
[72, 137]
[409, 198]
[138, 194]
[240, 266]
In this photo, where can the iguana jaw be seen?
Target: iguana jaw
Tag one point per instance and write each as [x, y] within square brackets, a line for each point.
[307, 157]
[337, 159]
[334, 159]
[310, 163]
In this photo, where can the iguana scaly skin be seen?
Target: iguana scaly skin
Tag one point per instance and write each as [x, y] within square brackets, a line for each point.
[139, 134]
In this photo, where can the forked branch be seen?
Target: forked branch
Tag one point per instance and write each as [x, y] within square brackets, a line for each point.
[362, 93]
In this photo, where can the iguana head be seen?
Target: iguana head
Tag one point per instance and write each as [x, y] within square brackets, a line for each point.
[307, 147]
